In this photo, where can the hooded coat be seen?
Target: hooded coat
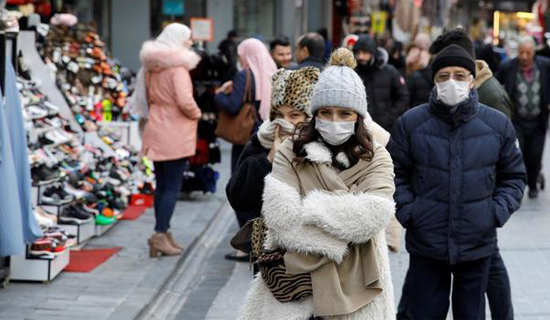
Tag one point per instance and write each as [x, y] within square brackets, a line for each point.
[387, 94]
[171, 131]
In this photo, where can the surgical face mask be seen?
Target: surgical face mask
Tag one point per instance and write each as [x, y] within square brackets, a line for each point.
[452, 92]
[335, 133]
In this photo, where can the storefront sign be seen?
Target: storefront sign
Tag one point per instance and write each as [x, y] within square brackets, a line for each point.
[173, 8]
[378, 22]
[202, 29]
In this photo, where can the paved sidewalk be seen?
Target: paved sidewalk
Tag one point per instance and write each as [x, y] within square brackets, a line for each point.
[125, 284]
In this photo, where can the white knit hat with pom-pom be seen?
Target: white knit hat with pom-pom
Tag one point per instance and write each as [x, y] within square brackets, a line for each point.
[340, 86]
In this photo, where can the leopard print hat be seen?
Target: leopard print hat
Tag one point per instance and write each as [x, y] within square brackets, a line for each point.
[293, 88]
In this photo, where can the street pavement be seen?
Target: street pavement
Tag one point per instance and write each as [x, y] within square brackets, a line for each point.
[203, 285]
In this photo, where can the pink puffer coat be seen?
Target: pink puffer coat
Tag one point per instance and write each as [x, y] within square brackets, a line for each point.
[171, 131]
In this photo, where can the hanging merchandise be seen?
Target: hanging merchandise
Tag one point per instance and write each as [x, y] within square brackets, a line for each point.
[200, 175]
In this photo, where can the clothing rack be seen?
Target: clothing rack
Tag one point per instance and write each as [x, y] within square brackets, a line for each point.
[8, 50]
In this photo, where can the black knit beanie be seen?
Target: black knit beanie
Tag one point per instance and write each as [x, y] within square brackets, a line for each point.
[453, 56]
[365, 43]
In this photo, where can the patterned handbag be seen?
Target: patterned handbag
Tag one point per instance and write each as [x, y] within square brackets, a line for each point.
[284, 287]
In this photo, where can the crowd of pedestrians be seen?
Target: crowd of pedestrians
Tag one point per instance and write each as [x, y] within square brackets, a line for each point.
[341, 150]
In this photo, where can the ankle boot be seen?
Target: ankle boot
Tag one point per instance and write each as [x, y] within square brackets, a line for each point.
[159, 245]
[172, 241]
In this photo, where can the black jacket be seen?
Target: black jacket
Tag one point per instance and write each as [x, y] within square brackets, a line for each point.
[310, 62]
[420, 84]
[387, 94]
[507, 73]
[458, 176]
[245, 188]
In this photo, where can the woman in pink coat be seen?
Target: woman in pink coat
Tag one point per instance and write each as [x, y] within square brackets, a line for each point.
[170, 136]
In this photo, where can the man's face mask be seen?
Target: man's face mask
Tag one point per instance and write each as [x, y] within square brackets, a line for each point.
[452, 92]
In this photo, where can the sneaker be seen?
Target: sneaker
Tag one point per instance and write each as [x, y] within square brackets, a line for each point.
[74, 216]
[56, 196]
[42, 248]
[43, 221]
[46, 214]
[42, 175]
[103, 220]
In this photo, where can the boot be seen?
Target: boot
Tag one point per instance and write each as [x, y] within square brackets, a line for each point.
[159, 245]
[172, 241]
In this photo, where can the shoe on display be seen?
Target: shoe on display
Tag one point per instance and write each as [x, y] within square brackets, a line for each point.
[40, 211]
[74, 216]
[42, 248]
[35, 112]
[103, 220]
[43, 175]
[55, 195]
[43, 221]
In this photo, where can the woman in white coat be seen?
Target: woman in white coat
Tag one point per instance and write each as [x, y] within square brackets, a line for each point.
[327, 202]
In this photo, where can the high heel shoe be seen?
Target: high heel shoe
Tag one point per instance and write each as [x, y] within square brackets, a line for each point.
[172, 241]
[159, 245]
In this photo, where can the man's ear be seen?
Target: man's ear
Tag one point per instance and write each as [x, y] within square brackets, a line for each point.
[306, 51]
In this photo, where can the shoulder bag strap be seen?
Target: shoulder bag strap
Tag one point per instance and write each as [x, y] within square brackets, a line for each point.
[247, 97]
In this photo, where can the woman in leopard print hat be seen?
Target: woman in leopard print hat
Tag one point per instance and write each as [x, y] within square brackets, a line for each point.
[291, 94]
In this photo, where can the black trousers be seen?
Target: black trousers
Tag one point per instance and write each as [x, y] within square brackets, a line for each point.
[428, 287]
[532, 147]
[498, 290]
[499, 293]
[169, 177]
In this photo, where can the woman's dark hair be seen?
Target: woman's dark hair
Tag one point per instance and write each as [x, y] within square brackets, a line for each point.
[359, 146]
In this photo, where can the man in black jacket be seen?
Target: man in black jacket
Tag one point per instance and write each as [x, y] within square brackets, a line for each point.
[387, 94]
[527, 81]
[491, 94]
[310, 49]
[459, 175]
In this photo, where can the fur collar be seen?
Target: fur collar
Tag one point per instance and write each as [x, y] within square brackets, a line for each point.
[318, 152]
[156, 57]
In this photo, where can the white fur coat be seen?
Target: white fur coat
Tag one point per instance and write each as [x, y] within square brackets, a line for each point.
[322, 223]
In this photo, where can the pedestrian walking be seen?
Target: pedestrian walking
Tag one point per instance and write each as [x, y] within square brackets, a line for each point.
[418, 56]
[326, 203]
[385, 88]
[491, 94]
[527, 81]
[459, 176]
[290, 98]
[170, 135]
[281, 52]
[228, 48]
[258, 67]
[310, 49]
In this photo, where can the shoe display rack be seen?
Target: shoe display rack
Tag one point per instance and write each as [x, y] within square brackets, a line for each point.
[37, 269]
[83, 231]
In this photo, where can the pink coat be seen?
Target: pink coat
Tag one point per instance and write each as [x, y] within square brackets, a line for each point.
[171, 131]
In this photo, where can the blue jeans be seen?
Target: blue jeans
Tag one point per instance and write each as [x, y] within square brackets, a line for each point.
[169, 176]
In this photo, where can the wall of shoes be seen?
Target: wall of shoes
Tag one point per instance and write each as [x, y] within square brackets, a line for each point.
[82, 180]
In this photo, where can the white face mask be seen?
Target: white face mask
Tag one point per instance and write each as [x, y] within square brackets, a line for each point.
[452, 92]
[335, 133]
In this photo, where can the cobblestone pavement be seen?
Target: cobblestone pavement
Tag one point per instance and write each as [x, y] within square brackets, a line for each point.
[524, 244]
